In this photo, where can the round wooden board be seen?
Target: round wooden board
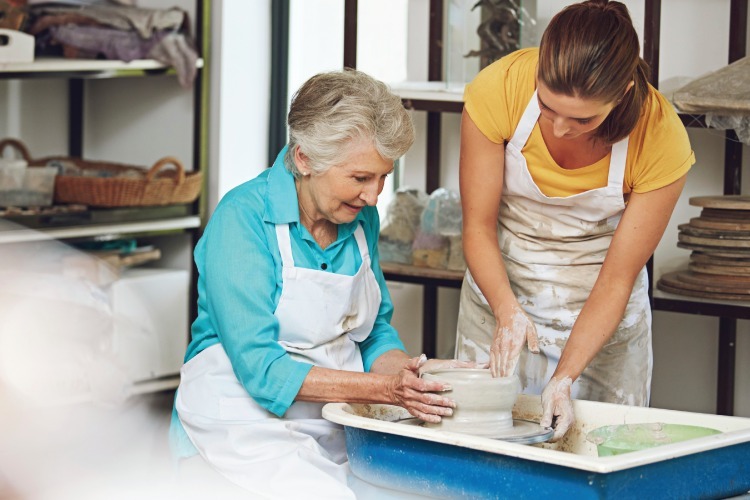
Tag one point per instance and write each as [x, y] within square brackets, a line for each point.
[718, 280]
[720, 270]
[719, 252]
[680, 279]
[714, 233]
[703, 295]
[702, 223]
[703, 258]
[714, 242]
[725, 215]
[724, 202]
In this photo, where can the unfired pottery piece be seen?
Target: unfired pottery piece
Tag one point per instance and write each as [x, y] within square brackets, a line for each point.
[483, 404]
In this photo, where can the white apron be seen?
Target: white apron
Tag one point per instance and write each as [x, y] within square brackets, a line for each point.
[321, 316]
[553, 249]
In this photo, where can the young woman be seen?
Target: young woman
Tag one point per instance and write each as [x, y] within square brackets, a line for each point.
[571, 165]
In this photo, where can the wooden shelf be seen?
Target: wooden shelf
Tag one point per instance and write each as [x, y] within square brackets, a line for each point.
[437, 97]
[430, 96]
[156, 385]
[422, 275]
[51, 67]
[102, 232]
[429, 279]
[672, 302]
[75, 215]
[428, 91]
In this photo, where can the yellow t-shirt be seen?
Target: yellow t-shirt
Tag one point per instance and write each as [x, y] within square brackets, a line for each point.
[659, 151]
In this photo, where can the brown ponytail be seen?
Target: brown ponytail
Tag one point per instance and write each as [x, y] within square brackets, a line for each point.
[591, 50]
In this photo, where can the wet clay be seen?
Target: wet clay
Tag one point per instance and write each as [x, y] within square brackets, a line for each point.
[483, 404]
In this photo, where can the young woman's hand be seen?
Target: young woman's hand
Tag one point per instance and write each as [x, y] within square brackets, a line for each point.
[557, 405]
[514, 329]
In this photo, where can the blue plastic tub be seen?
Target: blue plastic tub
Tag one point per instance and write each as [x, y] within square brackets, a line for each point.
[449, 465]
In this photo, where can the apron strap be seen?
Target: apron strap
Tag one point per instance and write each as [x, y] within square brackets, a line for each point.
[526, 125]
[359, 235]
[285, 244]
[617, 163]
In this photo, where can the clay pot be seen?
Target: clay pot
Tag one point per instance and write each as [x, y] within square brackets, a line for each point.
[484, 404]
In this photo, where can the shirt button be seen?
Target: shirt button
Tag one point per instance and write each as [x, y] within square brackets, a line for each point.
[324, 266]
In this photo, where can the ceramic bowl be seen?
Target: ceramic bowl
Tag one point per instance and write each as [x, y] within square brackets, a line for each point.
[483, 404]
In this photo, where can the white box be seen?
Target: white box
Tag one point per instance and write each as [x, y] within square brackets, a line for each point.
[150, 308]
[16, 47]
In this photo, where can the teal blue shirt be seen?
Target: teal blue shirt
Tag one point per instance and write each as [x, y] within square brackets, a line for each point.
[239, 285]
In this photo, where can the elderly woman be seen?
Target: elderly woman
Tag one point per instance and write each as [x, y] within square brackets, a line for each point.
[293, 310]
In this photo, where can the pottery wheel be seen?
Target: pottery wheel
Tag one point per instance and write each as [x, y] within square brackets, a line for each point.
[527, 432]
[522, 432]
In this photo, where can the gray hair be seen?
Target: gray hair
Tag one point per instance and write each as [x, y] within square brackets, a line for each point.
[333, 109]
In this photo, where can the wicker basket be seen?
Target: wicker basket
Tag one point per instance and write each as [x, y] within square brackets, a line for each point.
[165, 183]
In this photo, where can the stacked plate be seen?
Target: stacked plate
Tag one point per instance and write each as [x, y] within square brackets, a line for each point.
[719, 265]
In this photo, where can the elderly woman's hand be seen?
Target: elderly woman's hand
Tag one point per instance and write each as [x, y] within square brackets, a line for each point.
[406, 389]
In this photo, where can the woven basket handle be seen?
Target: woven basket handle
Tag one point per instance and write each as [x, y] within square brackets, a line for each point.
[167, 160]
[19, 146]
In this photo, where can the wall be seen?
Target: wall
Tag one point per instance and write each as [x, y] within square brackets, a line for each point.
[240, 92]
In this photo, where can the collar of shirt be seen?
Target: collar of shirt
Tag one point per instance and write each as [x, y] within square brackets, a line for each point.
[281, 191]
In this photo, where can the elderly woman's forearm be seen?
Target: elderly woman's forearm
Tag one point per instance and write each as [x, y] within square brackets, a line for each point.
[390, 362]
[324, 385]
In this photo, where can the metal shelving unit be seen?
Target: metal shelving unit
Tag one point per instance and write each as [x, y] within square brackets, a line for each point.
[76, 71]
[727, 312]
[136, 222]
[54, 67]
[435, 99]
[434, 102]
